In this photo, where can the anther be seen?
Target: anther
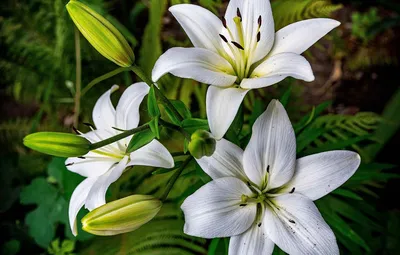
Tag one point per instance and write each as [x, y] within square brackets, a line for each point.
[240, 47]
[89, 125]
[238, 14]
[69, 164]
[82, 157]
[259, 21]
[259, 224]
[75, 130]
[242, 204]
[258, 36]
[292, 190]
[268, 169]
[223, 38]
[224, 22]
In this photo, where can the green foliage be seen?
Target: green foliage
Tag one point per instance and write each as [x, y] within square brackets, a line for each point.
[139, 140]
[362, 23]
[65, 248]
[289, 11]
[333, 132]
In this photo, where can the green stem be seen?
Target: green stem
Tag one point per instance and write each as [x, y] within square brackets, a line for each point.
[175, 177]
[77, 107]
[118, 137]
[102, 78]
[175, 127]
[164, 100]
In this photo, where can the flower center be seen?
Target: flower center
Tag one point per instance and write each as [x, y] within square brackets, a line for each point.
[239, 51]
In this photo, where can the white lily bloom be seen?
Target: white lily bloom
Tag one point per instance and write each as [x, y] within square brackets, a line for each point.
[105, 165]
[240, 53]
[263, 196]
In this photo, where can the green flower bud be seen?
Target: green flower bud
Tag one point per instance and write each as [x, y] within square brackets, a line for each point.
[201, 144]
[58, 144]
[101, 34]
[121, 216]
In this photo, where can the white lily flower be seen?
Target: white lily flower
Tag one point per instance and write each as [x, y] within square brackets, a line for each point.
[263, 196]
[240, 53]
[105, 165]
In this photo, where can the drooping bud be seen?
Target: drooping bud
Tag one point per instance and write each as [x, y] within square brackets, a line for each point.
[101, 34]
[202, 144]
[58, 144]
[121, 216]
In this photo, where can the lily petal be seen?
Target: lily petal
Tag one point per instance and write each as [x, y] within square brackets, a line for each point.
[300, 36]
[271, 151]
[127, 113]
[97, 194]
[91, 165]
[251, 10]
[296, 226]
[110, 150]
[214, 210]
[319, 174]
[253, 241]
[276, 68]
[222, 106]
[194, 63]
[226, 161]
[78, 199]
[152, 154]
[201, 25]
[104, 112]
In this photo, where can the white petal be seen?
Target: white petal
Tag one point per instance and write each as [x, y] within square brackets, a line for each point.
[251, 11]
[300, 36]
[297, 227]
[201, 25]
[272, 144]
[252, 242]
[104, 112]
[152, 154]
[194, 63]
[319, 174]
[222, 106]
[97, 194]
[226, 161]
[127, 113]
[111, 150]
[91, 165]
[276, 68]
[214, 210]
[77, 200]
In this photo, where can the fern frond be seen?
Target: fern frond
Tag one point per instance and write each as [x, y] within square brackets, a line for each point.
[289, 11]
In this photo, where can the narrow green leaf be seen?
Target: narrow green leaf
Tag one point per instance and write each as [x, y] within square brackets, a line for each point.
[140, 139]
[181, 108]
[336, 146]
[152, 104]
[193, 124]
[285, 97]
[347, 193]
[306, 120]
[154, 127]
[165, 170]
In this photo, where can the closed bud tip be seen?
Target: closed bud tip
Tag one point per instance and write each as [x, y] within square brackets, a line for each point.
[57, 144]
[202, 144]
[101, 34]
[121, 216]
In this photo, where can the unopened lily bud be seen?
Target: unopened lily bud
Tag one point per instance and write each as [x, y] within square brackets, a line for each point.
[121, 216]
[57, 144]
[202, 144]
[101, 34]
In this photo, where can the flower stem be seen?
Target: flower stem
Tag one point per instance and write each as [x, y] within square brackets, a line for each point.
[175, 127]
[102, 78]
[118, 137]
[175, 177]
[164, 100]
[78, 78]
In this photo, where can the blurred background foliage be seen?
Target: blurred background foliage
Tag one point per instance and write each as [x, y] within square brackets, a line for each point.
[354, 103]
